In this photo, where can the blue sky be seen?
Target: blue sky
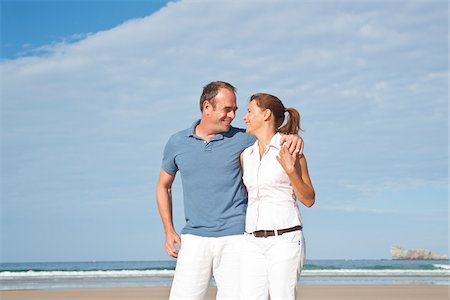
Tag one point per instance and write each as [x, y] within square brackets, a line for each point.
[27, 25]
[92, 91]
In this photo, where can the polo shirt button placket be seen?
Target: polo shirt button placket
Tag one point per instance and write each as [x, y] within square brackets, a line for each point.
[208, 146]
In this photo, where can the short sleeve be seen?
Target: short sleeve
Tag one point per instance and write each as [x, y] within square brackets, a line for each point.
[168, 162]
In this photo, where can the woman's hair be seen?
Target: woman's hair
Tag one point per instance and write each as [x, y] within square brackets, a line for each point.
[272, 103]
[211, 90]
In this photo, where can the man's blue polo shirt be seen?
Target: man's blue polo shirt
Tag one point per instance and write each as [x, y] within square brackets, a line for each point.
[215, 199]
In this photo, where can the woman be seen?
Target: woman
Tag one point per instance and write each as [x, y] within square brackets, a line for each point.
[273, 250]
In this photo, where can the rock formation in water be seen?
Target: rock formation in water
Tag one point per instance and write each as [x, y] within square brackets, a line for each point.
[400, 253]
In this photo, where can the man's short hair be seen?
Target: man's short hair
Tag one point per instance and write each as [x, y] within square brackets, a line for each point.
[211, 90]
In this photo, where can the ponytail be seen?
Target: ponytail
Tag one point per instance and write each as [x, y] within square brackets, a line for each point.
[292, 125]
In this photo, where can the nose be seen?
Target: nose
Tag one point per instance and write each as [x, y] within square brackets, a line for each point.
[232, 114]
[245, 117]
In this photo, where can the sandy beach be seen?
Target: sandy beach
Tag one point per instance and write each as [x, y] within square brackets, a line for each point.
[312, 292]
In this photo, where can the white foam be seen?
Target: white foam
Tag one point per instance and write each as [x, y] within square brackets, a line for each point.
[85, 274]
[154, 273]
[375, 273]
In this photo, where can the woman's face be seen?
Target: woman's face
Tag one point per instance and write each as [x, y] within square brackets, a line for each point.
[254, 117]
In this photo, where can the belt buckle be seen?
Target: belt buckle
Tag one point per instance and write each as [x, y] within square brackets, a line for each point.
[265, 233]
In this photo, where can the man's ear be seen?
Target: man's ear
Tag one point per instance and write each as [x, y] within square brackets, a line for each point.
[206, 106]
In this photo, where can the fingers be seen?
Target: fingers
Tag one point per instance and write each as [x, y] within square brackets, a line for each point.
[283, 155]
[293, 142]
[292, 147]
[289, 144]
[299, 148]
[171, 250]
[170, 246]
[279, 161]
[285, 152]
[287, 160]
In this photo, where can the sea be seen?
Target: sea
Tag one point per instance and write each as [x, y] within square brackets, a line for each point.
[63, 275]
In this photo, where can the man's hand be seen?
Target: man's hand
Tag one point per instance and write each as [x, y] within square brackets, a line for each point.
[294, 143]
[171, 240]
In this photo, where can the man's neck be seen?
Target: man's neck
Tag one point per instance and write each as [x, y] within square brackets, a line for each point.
[204, 132]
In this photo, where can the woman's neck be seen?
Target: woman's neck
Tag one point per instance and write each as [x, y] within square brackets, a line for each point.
[264, 137]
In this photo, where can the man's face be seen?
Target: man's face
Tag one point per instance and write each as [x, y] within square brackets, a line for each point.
[224, 112]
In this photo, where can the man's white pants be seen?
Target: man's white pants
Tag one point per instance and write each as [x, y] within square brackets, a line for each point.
[272, 266]
[199, 258]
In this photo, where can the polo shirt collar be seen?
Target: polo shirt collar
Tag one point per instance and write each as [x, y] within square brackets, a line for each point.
[191, 133]
[191, 130]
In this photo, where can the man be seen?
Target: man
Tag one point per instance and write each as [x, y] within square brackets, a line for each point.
[215, 200]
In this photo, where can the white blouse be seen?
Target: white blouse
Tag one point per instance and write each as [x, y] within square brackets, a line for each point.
[271, 199]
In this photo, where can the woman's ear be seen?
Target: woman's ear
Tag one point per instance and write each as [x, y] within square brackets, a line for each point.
[267, 114]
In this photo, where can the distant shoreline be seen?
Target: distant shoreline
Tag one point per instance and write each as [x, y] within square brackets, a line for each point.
[399, 253]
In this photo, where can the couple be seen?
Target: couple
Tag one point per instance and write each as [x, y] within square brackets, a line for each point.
[252, 252]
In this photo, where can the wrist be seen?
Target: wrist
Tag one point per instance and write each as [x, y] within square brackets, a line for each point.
[290, 171]
[170, 231]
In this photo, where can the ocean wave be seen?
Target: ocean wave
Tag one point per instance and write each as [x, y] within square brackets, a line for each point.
[6, 275]
[375, 273]
[380, 267]
[85, 274]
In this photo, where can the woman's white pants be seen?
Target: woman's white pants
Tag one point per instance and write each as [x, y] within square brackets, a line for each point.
[271, 266]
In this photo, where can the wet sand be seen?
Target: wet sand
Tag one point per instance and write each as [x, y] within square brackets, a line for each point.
[311, 292]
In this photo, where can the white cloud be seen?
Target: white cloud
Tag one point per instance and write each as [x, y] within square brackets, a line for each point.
[358, 210]
[432, 213]
[395, 184]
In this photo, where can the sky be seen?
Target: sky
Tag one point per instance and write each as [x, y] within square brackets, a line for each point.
[91, 92]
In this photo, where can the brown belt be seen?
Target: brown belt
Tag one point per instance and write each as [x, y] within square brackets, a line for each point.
[266, 233]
